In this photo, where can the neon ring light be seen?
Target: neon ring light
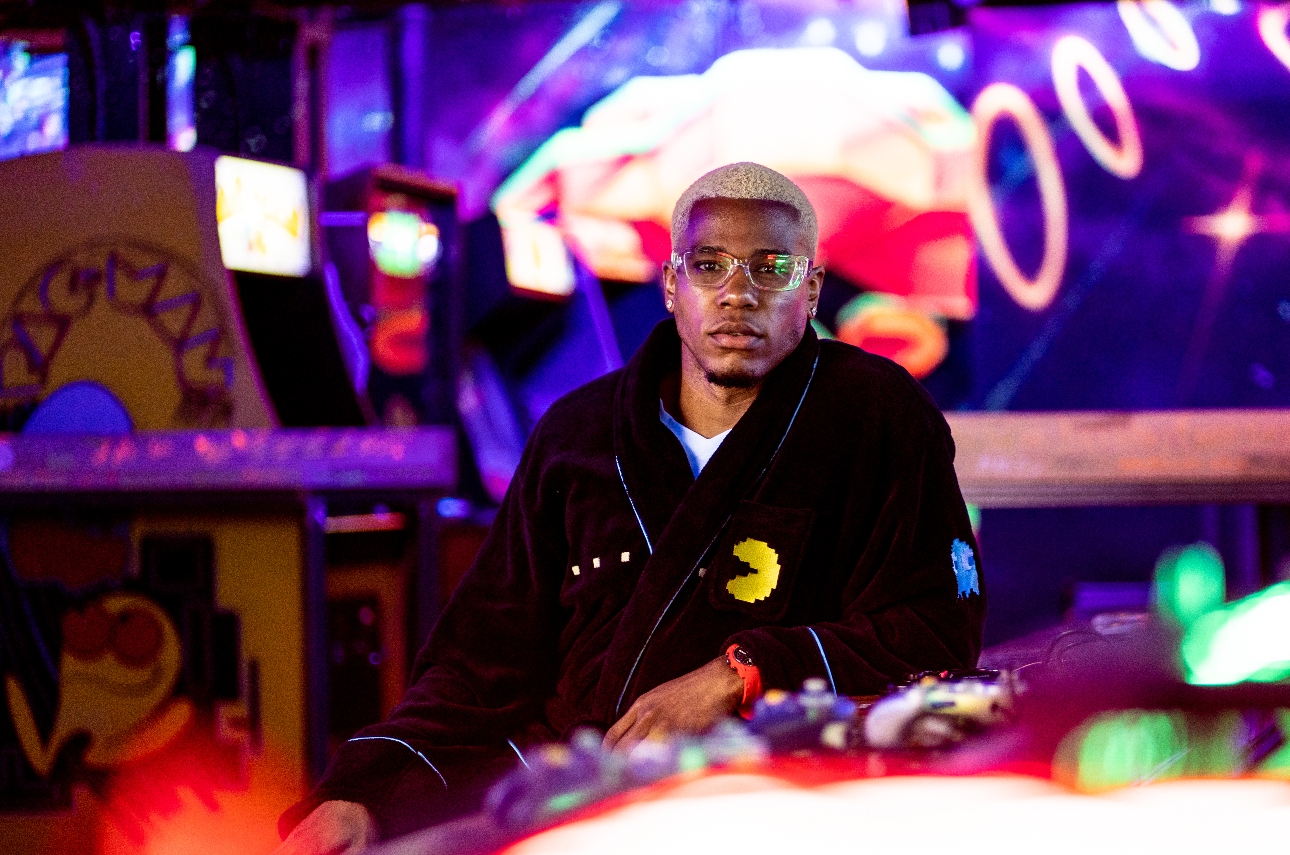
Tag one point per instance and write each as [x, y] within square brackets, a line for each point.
[999, 99]
[1272, 29]
[1070, 54]
[1160, 33]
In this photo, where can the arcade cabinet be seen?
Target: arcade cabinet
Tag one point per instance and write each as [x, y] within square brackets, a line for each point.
[186, 454]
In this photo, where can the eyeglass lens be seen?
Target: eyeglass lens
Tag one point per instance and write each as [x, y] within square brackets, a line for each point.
[768, 271]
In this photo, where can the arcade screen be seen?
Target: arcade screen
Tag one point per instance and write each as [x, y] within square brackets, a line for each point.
[263, 215]
[33, 101]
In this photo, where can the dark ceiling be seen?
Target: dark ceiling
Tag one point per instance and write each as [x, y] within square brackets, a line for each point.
[57, 13]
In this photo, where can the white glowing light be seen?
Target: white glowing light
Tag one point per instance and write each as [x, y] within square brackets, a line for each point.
[1234, 225]
[1070, 54]
[1003, 99]
[1225, 7]
[759, 815]
[536, 258]
[1160, 33]
[820, 32]
[263, 214]
[1245, 641]
[951, 56]
[1272, 29]
[871, 38]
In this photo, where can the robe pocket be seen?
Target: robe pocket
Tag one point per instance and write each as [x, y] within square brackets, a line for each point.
[757, 559]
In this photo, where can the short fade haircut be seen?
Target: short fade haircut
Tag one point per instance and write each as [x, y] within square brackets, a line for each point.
[750, 181]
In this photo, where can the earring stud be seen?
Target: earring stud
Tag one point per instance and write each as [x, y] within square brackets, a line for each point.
[669, 305]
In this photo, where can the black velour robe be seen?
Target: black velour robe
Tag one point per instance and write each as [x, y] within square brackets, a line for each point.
[827, 536]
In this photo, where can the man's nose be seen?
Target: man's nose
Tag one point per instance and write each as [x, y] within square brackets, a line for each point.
[738, 289]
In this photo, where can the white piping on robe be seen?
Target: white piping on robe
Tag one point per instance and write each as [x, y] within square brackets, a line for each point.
[827, 669]
[405, 745]
[517, 751]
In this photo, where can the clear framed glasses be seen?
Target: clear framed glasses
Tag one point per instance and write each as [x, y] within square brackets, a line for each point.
[768, 271]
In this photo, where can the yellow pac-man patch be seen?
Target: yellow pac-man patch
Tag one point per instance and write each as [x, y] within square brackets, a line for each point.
[758, 584]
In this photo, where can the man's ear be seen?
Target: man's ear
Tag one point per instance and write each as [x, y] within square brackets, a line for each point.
[814, 283]
[669, 285]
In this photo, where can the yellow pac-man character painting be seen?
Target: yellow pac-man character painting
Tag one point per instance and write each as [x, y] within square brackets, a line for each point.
[758, 584]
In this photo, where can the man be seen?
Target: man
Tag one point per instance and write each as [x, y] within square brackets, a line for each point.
[807, 524]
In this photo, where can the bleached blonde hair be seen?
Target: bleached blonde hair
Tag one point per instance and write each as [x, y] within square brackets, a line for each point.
[750, 181]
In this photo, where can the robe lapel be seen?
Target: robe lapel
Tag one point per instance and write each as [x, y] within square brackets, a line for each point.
[682, 516]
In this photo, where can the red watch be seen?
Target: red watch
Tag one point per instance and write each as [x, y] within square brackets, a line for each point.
[741, 662]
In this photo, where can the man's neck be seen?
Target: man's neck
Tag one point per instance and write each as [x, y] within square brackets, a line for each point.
[705, 407]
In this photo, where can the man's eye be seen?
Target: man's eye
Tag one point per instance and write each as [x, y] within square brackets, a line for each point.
[707, 266]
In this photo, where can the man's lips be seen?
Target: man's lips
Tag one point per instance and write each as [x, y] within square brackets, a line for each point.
[736, 335]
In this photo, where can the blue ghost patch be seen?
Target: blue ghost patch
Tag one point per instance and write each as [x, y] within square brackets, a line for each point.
[964, 561]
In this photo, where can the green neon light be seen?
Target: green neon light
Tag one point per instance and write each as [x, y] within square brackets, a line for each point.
[1126, 748]
[1247, 641]
[1129, 747]
[567, 801]
[691, 758]
[402, 244]
[1278, 763]
[1189, 582]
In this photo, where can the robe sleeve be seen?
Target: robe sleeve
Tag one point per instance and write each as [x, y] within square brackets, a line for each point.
[914, 599]
[480, 677]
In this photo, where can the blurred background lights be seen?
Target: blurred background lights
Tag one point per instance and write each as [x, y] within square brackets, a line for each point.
[819, 31]
[402, 244]
[181, 131]
[1225, 7]
[998, 101]
[1160, 33]
[951, 56]
[887, 325]
[1122, 158]
[1125, 748]
[1272, 29]
[871, 38]
[1246, 641]
[1189, 582]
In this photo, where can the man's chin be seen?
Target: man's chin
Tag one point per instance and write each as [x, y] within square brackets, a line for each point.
[732, 379]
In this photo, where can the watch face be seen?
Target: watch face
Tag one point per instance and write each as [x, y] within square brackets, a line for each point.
[743, 657]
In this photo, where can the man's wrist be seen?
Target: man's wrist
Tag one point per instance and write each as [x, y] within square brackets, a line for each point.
[743, 665]
[734, 684]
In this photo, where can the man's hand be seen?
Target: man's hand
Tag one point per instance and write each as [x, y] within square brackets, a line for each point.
[333, 828]
[691, 703]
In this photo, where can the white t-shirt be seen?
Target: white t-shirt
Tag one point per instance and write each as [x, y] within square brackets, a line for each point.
[698, 448]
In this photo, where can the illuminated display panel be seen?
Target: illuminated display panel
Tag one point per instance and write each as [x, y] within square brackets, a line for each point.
[263, 215]
[33, 101]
